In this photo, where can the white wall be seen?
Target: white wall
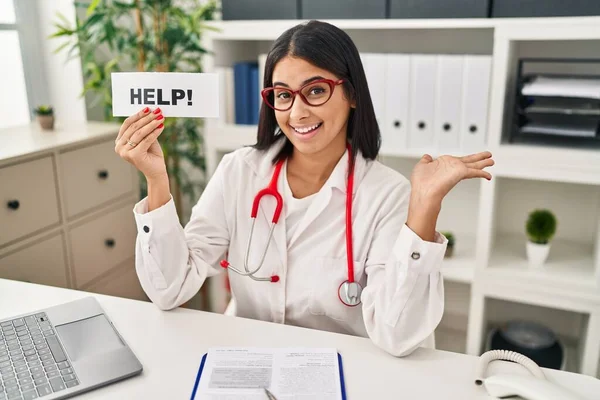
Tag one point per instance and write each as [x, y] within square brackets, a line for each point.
[64, 79]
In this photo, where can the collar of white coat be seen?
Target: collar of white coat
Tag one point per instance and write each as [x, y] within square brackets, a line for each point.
[261, 163]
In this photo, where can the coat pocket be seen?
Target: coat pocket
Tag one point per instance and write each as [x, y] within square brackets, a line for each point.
[327, 277]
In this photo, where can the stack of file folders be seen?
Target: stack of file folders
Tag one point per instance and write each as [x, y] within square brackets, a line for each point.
[558, 109]
[422, 102]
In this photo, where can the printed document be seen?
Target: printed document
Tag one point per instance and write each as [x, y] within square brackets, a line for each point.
[563, 87]
[233, 373]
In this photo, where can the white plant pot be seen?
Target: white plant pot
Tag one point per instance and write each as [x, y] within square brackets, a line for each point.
[537, 254]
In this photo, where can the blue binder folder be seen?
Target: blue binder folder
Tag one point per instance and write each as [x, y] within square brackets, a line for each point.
[254, 94]
[200, 369]
[245, 77]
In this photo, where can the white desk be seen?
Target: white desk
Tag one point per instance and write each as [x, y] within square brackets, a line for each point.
[170, 345]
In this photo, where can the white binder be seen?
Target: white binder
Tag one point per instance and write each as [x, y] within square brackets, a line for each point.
[395, 122]
[423, 75]
[447, 103]
[475, 101]
[374, 65]
[262, 60]
[226, 99]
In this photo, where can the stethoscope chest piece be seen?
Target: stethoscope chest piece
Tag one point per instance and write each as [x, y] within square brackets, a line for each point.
[349, 293]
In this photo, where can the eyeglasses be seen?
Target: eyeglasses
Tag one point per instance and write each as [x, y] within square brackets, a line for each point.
[315, 93]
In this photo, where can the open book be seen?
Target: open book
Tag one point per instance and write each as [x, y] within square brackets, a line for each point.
[287, 373]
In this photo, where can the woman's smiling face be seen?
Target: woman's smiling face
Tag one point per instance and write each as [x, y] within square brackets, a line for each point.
[311, 129]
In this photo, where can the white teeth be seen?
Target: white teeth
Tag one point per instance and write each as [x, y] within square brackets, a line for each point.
[307, 129]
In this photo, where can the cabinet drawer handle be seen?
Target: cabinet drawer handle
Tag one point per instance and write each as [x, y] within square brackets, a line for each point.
[13, 204]
[109, 243]
[103, 174]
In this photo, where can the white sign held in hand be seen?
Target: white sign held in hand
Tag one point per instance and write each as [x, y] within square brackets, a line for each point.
[178, 94]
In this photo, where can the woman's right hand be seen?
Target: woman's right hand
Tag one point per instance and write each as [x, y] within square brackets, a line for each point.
[137, 143]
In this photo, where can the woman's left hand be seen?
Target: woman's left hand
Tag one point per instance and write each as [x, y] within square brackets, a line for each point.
[432, 179]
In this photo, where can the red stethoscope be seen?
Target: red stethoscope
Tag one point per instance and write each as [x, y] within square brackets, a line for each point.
[349, 291]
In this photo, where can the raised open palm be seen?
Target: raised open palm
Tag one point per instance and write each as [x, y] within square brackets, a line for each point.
[434, 178]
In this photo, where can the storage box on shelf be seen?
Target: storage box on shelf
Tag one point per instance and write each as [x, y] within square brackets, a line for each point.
[357, 9]
[488, 217]
[546, 8]
[339, 9]
[439, 9]
[259, 9]
[67, 209]
[352, 9]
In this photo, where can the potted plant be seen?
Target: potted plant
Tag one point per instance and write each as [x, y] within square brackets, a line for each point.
[45, 116]
[147, 36]
[540, 228]
[450, 246]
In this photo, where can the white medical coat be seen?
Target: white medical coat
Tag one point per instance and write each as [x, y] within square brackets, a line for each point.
[403, 296]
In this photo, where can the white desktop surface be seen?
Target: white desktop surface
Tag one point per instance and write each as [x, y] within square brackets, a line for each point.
[170, 345]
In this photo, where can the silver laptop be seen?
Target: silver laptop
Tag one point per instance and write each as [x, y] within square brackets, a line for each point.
[61, 351]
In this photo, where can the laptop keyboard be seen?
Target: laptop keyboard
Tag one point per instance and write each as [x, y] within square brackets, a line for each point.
[32, 361]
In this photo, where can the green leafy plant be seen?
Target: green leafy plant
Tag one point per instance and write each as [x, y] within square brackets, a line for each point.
[151, 36]
[43, 110]
[450, 237]
[541, 226]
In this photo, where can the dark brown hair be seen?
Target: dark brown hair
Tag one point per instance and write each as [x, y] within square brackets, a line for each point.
[330, 48]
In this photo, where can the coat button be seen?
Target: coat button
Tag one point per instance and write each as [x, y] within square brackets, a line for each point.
[415, 255]
[146, 229]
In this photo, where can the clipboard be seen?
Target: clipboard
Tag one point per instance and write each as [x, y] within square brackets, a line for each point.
[201, 368]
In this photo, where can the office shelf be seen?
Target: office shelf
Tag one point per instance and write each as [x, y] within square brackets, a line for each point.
[572, 265]
[224, 138]
[448, 339]
[569, 268]
[460, 267]
[232, 136]
[451, 334]
[570, 331]
[252, 30]
[487, 218]
[547, 163]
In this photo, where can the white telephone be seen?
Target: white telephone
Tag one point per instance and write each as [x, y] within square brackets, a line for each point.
[533, 387]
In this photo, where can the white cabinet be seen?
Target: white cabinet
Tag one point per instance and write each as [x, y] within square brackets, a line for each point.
[66, 201]
[99, 245]
[92, 176]
[43, 262]
[29, 199]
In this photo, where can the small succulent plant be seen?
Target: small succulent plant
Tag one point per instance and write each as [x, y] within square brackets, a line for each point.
[540, 226]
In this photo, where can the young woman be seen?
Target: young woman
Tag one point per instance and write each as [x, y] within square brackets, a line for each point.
[356, 249]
